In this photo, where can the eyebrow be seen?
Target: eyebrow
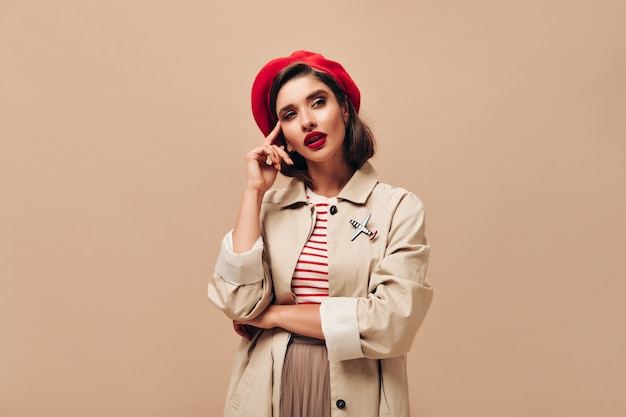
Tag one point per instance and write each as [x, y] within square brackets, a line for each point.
[310, 97]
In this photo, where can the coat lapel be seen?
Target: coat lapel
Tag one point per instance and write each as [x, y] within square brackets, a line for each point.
[288, 223]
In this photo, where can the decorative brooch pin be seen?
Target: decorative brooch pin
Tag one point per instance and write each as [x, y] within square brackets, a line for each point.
[360, 228]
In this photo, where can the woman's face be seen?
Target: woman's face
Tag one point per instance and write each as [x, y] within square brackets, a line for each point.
[312, 120]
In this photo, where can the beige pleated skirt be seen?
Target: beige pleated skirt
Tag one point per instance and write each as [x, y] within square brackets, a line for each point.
[305, 389]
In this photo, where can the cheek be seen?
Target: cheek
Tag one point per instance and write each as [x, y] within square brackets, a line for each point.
[290, 136]
[338, 118]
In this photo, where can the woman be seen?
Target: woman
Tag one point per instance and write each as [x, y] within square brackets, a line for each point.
[325, 278]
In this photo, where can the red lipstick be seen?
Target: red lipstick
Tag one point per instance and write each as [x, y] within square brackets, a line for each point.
[315, 140]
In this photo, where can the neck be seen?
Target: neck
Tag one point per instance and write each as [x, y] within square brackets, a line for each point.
[329, 181]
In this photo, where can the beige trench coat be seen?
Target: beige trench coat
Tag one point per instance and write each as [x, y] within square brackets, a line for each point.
[378, 297]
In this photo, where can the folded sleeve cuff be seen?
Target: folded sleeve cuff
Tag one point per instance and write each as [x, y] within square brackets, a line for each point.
[240, 268]
[341, 328]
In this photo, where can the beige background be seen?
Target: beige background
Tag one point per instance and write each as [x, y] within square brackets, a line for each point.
[123, 126]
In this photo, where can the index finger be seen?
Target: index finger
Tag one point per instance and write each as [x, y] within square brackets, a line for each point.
[269, 139]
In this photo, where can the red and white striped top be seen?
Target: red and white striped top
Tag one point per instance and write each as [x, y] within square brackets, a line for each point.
[310, 278]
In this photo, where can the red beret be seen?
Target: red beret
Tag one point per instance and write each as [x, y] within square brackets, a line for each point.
[264, 79]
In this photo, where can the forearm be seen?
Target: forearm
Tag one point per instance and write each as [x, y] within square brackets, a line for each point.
[247, 228]
[303, 319]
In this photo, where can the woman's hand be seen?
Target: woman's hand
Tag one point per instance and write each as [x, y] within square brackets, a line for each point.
[263, 162]
[244, 330]
[260, 177]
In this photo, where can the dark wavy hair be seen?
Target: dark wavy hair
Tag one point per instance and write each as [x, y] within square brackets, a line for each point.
[359, 142]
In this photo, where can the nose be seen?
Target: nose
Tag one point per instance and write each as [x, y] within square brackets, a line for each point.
[308, 122]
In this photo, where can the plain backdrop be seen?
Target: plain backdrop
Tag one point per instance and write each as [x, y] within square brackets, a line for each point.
[123, 127]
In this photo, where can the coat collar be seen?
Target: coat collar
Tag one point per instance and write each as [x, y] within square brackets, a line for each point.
[360, 185]
[356, 190]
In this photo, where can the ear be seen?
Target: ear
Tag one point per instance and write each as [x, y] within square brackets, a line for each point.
[346, 114]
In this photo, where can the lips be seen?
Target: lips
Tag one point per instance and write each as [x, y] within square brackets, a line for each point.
[315, 140]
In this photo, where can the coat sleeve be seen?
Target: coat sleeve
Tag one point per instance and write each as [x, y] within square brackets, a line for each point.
[383, 324]
[240, 285]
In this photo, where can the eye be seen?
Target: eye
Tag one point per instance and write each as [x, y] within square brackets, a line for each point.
[319, 102]
[289, 115]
